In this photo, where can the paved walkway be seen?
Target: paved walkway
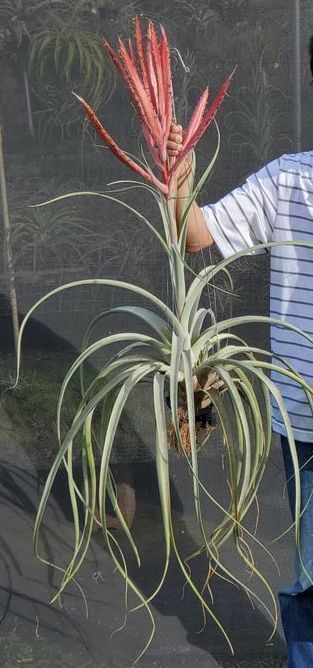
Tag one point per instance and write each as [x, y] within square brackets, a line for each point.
[34, 633]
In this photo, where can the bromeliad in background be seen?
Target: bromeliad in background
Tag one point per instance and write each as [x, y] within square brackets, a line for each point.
[189, 357]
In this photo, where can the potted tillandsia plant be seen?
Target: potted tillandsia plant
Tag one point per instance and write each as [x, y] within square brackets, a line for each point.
[192, 362]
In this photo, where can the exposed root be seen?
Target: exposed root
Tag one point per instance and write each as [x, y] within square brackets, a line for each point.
[202, 427]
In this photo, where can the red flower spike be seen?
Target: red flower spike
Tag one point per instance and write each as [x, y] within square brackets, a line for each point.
[153, 87]
[142, 57]
[211, 112]
[115, 59]
[157, 62]
[147, 112]
[167, 84]
[140, 95]
[197, 116]
[145, 67]
[115, 148]
[207, 119]
[132, 53]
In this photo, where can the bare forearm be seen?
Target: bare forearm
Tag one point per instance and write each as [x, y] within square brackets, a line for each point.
[198, 235]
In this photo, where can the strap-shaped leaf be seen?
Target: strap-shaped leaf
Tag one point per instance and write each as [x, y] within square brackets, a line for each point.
[162, 468]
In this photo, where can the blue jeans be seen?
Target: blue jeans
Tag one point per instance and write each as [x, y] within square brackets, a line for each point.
[296, 602]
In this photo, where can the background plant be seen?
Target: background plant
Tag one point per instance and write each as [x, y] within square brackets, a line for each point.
[261, 108]
[67, 47]
[51, 238]
[19, 19]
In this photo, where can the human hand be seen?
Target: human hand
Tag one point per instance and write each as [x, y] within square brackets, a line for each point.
[175, 141]
[174, 148]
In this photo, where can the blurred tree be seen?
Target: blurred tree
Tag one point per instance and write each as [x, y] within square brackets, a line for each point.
[7, 250]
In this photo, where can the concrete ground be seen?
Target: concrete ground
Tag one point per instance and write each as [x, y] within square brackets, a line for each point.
[35, 633]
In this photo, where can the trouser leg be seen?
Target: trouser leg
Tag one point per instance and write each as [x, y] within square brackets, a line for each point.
[296, 602]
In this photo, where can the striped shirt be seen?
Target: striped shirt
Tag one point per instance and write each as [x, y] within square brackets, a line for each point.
[276, 204]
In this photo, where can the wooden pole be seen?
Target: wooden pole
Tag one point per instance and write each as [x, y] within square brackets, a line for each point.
[297, 75]
[28, 104]
[7, 241]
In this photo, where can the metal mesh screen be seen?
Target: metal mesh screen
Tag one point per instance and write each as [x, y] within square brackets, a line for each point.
[48, 49]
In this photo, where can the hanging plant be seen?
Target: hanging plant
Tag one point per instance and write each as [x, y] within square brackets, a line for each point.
[66, 52]
[193, 362]
[18, 20]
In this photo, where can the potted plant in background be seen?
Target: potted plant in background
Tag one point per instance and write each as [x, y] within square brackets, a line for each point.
[187, 355]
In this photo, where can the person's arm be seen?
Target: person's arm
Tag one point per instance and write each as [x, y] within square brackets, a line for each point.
[198, 235]
[242, 219]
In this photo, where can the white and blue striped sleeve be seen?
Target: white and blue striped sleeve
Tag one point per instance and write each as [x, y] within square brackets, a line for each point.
[246, 216]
